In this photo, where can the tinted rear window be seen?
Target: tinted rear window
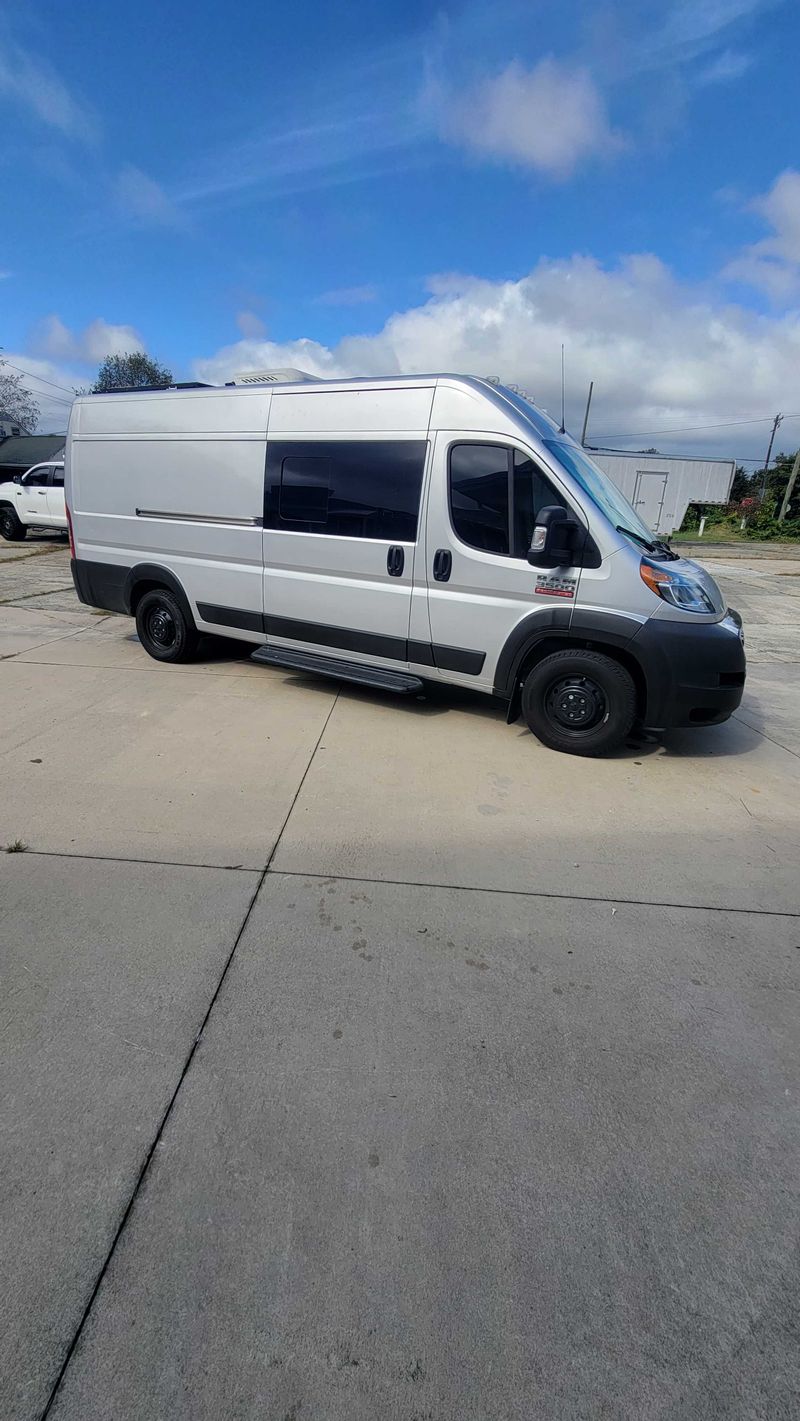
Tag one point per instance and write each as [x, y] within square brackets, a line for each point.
[346, 488]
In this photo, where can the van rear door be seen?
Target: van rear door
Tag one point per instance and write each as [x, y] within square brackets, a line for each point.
[485, 492]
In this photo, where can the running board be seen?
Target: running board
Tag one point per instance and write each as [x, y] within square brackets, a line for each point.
[376, 676]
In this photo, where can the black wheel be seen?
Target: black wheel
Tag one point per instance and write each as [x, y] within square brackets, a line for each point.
[579, 701]
[10, 527]
[164, 630]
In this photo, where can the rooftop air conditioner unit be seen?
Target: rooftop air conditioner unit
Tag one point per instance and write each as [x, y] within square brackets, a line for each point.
[275, 377]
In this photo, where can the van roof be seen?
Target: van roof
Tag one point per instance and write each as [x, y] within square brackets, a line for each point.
[497, 393]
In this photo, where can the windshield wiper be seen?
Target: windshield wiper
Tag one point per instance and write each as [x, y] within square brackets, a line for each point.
[637, 538]
[666, 551]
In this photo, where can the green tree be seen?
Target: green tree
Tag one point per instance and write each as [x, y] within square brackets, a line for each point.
[17, 404]
[132, 371]
[742, 486]
[774, 487]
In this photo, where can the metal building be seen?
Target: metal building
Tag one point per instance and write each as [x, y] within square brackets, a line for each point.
[662, 486]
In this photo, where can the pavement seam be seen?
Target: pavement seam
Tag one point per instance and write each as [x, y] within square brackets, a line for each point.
[51, 641]
[155, 669]
[408, 882]
[530, 893]
[764, 736]
[27, 596]
[296, 795]
[157, 863]
[148, 1157]
[32, 553]
[184, 1072]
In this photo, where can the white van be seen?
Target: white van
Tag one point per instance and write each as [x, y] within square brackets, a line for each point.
[396, 532]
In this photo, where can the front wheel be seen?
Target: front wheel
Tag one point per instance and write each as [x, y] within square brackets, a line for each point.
[10, 527]
[164, 630]
[581, 702]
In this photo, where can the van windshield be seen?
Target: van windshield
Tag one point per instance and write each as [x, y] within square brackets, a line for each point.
[599, 488]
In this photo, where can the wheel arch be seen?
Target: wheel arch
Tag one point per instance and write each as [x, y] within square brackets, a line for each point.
[149, 577]
[529, 643]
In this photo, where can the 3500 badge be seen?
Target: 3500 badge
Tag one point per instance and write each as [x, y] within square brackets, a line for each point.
[555, 586]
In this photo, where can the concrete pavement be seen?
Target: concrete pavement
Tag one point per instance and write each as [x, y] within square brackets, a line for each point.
[108, 969]
[493, 1113]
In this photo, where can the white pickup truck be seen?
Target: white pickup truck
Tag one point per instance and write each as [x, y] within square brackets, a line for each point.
[34, 500]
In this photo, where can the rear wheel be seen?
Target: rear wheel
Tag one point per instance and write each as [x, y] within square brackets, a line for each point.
[164, 630]
[10, 527]
[581, 702]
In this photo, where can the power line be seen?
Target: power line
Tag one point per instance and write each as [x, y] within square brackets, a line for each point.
[52, 399]
[690, 428]
[30, 375]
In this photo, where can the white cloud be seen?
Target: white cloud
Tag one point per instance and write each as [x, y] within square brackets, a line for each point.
[89, 346]
[729, 65]
[5, 274]
[550, 118]
[51, 384]
[773, 264]
[34, 85]
[692, 29]
[251, 326]
[140, 197]
[348, 296]
[302, 354]
[781, 208]
[661, 353]
[64, 361]
[100, 339]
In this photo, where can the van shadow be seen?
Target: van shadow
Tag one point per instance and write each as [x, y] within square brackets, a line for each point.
[431, 701]
[734, 737]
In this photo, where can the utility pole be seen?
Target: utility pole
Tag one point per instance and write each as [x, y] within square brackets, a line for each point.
[787, 497]
[775, 423]
[586, 416]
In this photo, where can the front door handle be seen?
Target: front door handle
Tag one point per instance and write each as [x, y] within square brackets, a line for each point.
[442, 565]
[395, 562]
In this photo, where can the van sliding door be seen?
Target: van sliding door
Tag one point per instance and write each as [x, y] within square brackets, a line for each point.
[341, 521]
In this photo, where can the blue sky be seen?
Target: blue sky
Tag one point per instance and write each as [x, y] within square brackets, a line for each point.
[364, 188]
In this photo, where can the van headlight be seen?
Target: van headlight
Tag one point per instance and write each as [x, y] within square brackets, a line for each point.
[691, 592]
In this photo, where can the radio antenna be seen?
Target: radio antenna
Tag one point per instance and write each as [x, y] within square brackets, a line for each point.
[562, 430]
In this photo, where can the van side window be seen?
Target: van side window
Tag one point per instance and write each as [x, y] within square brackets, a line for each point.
[359, 488]
[532, 492]
[479, 495]
[305, 489]
[495, 496]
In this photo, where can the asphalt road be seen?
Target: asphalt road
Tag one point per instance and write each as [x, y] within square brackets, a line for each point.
[363, 1059]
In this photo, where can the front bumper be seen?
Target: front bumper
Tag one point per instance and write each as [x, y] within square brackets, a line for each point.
[695, 674]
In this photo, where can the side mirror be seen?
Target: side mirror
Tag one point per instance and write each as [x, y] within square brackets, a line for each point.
[554, 537]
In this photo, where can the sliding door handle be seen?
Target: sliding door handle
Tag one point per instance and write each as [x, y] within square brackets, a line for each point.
[395, 562]
[442, 565]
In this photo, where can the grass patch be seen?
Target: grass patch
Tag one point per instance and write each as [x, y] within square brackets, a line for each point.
[17, 846]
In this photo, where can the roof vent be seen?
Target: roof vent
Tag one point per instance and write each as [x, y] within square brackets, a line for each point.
[275, 377]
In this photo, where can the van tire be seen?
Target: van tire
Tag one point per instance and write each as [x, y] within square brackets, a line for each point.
[10, 527]
[164, 630]
[580, 702]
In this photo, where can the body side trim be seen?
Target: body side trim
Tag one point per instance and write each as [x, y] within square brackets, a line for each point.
[200, 518]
